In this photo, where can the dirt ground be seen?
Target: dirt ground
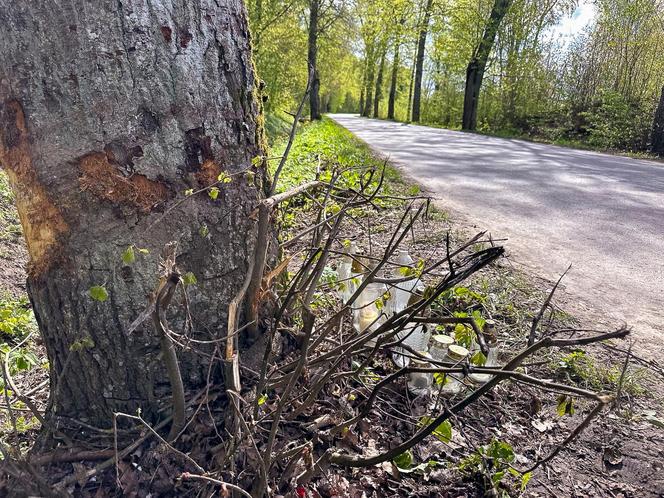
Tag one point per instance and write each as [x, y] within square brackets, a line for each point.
[619, 455]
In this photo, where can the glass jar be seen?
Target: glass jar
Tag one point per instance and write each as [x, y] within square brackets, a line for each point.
[347, 284]
[419, 383]
[453, 383]
[439, 345]
[366, 315]
[491, 339]
[416, 337]
[401, 292]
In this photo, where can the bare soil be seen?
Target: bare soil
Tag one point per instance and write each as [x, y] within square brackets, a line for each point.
[620, 455]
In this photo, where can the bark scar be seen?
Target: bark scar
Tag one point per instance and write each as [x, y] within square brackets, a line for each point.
[43, 223]
[100, 176]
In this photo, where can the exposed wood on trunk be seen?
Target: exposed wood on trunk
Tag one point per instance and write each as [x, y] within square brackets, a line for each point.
[477, 65]
[130, 105]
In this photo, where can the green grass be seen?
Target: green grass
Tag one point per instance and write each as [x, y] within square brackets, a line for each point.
[277, 126]
[326, 146]
[10, 227]
[585, 371]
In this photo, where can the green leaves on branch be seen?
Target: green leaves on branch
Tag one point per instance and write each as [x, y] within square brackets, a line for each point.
[443, 432]
[16, 318]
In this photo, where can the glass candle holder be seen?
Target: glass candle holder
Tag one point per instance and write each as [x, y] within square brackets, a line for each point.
[439, 345]
[419, 383]
[401, 292]
[366, 315]
[453, 383]
[346, 282]
[491, 360]
[415, 336]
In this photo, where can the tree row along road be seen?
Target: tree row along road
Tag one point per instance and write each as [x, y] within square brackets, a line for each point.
[603, 214]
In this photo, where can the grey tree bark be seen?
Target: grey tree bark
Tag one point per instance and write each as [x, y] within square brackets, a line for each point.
[477, 65]
[393, 80]
[312, 58]
[657, 139]
[109, 112]
[369, 82]
[378, 96]
[419, 61]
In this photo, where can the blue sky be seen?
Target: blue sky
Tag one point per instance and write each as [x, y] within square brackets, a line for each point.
[570, 26]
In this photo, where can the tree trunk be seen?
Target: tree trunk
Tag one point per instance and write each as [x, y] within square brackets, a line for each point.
[379, 84]
[256, 25]
[477, 64]
[419, 61]
[312, 56]
[110, 111]
[393, 81]
[410, 90]
[368, 92]
[658, 128]
[362, 97]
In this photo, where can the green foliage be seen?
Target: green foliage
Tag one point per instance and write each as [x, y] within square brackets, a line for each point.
[565, 405]
[404, 460]
[98, 293]
[597, 89]
[10, 226]
[328, 147]
[189, 279]
[443, 432]
[20, 360]
[277, 126]
[129, 256]
[582, 369]
[617, 123]
[83, 344]
[492, 465]
[16, 318]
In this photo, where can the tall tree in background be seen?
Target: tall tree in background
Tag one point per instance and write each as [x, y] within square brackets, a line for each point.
[393, 79]
[419, 60]
[378, 96]
[130, 105]
[312, 59]
[400, 19]
[657, 139]
[367, 107]
[477, 64]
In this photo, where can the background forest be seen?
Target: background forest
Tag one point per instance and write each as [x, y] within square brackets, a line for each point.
[598, 84]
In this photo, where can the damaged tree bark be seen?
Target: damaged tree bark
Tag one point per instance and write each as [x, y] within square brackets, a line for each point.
[108, 114]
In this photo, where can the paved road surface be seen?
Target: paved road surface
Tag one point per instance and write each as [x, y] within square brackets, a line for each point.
[602, 213]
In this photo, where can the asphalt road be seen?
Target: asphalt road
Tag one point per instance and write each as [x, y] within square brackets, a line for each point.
[603, 214]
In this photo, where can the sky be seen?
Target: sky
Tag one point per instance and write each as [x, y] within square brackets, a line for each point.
[570, 26]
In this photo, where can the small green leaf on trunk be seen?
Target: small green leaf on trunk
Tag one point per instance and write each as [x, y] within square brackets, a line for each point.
[128, 256]
[98, 293]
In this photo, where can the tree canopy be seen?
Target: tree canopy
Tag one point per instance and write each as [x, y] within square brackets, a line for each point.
[600, 84]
